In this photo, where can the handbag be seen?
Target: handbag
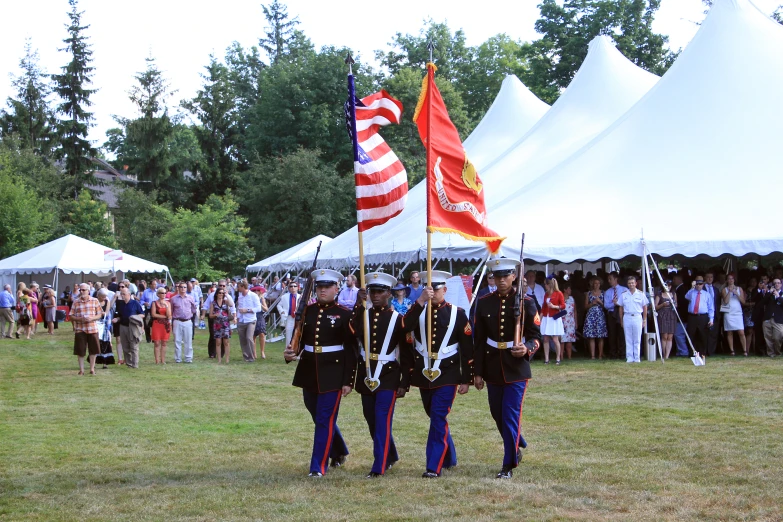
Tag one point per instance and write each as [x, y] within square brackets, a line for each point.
[560, 314]
[725, 308]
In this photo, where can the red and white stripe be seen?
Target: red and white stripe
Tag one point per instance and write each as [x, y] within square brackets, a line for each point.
[381, 184]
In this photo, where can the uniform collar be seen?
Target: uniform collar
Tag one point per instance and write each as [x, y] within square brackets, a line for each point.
[439, 306]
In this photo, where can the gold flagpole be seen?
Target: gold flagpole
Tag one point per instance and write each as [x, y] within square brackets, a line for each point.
[349, 62]
[430, 47]
[366, 310]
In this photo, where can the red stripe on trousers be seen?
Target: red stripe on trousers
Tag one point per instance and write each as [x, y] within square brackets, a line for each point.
[331, 433]
[446, 437]
[388, 433]
[519, 425]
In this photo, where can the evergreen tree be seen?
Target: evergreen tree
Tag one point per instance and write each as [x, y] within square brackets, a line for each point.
[244, 70]
[150, 135]
[30, 116]
[215, 108]
[71, 86]
[279, 33]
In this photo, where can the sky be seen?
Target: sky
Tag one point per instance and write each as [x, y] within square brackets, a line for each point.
[181, 35]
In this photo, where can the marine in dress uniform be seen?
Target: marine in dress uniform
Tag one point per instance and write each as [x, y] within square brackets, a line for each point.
[633, 307]
[442, 375]
[505, 368]
[386, 377]
[326, 370]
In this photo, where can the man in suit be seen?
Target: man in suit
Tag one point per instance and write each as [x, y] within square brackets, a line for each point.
[614, 321]
[701, 314]
[773, 318]
[491, 287]
[758, 297]
[287, 308]
[326, 371]
[535, 291]
[713, 332]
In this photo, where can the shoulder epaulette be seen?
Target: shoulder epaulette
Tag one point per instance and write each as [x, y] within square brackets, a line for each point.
[486, 295]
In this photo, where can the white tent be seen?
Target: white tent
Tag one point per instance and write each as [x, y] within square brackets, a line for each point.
[70, 259]
[285, 260]
[512, 114]
[604, 88]
[689, 168]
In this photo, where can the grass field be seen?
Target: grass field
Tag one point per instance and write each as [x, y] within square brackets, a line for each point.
[608, 441]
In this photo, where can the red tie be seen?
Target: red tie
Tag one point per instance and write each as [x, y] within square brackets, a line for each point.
[696, 303]
[292, 306]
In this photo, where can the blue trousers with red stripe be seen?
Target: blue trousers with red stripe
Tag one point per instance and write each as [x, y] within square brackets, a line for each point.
[505, 405]
[379, 413]
[327, 441]
[440, 448]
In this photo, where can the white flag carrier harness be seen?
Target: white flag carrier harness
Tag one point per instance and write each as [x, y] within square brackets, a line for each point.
[444, 351]
[383, 356]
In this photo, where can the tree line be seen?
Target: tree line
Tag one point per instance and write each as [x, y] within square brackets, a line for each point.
[259, 159]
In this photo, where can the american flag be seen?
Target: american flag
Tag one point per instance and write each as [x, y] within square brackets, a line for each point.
[381, 180]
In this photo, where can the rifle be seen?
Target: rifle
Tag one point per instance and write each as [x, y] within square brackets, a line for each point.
[306, 291]
[518, 311]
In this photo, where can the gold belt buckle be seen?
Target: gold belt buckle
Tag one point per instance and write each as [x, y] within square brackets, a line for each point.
[502, 345]
[434, 356]
[373, 356]
[317, 349]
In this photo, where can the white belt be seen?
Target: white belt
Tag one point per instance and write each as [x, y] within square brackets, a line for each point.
[502, 345]
[381, 357]
[632, 315]
[443, 353]
[324, 349]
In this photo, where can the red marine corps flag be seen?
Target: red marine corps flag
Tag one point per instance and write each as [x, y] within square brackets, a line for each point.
[455, 194]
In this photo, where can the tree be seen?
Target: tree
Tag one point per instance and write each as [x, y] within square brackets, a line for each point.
[451, 53]
[25, 223]
[778, 15]
[71, 87]
[140, 223]
[88, 218]
[491, 61]
[568, 29]
[30, 115]
[244, 70]
[279, 33]
[207, 243]
[215, 108]
[294, 197]
[151, 134]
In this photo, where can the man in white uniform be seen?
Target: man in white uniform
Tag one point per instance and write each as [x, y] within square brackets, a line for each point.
[633, 307]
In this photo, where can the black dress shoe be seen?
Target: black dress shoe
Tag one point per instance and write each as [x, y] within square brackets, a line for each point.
[429, 474]
[315, 474]
[505, 473]
[389, 466]
[338, 461]
[373, 474]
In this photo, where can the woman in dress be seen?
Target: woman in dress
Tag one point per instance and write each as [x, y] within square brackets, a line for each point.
[50, 310]
[35, 295]
[569, 321]
[260, 332]
[400, 301]
[551, 326]
[221, 323]
[20, 288]
[161, 325]
[106, 357]
[733, 320]
[595, 320]
[26, 314]
[665, 304]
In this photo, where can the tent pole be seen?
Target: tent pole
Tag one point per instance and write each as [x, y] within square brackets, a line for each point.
[676, 313]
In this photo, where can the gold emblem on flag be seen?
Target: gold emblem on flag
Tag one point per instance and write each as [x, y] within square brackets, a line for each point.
[470, 176]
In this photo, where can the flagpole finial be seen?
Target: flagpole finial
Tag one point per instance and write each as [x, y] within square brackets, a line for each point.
[430, 48]
[349, 62]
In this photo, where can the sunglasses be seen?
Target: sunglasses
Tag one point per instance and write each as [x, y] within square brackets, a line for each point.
[699, 282]
[83, 290]
[122, 286]
[181, 286]
[221, 286]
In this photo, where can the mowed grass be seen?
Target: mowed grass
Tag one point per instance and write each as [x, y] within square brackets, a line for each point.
[608, 441]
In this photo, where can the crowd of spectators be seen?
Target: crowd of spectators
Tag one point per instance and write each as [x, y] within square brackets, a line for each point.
[603, 315]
